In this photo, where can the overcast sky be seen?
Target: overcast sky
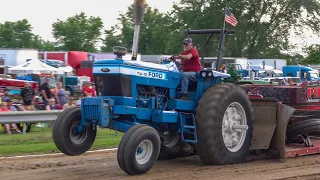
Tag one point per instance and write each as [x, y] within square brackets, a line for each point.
[41, 14]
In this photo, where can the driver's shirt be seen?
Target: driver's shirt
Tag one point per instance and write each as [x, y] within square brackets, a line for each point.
[193, 64]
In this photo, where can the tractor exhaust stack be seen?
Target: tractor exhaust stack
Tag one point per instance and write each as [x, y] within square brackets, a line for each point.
[139, 7]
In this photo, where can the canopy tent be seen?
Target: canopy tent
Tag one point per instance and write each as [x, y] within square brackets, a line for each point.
[34, 66]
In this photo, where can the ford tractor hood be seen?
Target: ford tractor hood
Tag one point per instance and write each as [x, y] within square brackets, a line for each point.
[109, 74]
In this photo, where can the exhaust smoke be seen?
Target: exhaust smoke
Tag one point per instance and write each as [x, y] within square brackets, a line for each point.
[138, 10]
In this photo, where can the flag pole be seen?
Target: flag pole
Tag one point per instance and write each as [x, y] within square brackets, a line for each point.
[224, 19]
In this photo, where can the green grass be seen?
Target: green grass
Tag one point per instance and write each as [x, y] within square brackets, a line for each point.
[40, 141]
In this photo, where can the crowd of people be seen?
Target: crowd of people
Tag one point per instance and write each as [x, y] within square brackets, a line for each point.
[53, 98]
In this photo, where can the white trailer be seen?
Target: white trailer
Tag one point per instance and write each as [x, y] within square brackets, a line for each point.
[275, 63]
[16, 56]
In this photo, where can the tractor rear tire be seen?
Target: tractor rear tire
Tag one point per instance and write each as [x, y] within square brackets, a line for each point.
[64, 133]
[139, 149]
[214, 132]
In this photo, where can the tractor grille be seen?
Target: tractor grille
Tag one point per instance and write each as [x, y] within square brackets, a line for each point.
[113, 85]
[91, 108]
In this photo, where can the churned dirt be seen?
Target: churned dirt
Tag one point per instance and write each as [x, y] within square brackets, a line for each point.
[103, 165]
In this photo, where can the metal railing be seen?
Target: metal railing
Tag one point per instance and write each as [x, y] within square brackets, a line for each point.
[24, 117]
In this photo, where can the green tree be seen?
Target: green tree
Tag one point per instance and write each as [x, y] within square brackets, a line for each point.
[19, 34]
[79, 32]
[16, 34]
[263, 28]
[43, 45]
[155, 32]
[313, 56]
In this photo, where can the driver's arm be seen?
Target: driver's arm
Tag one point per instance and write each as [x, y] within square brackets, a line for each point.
[192, 53]
[188, 56]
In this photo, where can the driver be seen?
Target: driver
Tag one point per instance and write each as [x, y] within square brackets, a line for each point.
[190, 66]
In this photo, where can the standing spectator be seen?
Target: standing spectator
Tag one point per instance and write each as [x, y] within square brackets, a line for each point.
[28, 97]
[4, 108]
[60, 94]
[87, 90]
[46, 92]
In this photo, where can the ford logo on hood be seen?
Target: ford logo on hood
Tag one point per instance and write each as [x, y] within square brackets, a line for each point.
[105, 69]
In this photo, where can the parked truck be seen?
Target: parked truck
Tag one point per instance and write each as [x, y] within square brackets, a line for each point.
[304, 72]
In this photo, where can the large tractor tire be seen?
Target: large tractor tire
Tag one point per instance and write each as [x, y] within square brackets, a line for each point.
[66, 136]
[224, 125]
[139, 149]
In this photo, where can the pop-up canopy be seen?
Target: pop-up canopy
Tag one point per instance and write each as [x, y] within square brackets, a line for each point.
[34, 66]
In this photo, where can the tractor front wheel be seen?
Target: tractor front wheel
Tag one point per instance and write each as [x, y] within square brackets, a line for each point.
[66, 135]
[139, 149]
[224, 125]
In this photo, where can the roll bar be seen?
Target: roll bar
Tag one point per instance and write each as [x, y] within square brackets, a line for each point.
[223, 32]
[208, 31]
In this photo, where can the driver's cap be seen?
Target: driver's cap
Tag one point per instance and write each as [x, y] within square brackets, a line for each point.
[187, 40]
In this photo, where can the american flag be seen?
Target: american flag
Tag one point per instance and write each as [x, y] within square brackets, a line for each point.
[229, 18]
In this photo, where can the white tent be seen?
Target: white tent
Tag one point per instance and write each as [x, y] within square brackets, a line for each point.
[34, 66]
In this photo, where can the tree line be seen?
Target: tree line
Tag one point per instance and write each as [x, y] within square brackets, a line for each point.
[262, 32]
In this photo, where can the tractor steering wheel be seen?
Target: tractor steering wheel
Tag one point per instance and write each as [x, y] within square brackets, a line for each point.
[180, 64]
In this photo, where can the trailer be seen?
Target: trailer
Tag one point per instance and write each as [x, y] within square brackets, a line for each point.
[274, 63]
[16, 56]
[80, 61]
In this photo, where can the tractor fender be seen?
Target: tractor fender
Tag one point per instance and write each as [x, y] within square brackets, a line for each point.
[270, 125]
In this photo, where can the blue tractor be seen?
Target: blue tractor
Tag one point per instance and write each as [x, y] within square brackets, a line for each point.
[141, 99]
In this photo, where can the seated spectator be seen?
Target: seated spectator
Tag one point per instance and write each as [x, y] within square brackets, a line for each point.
[10, 106]
[1, 94]
[52, 104]
[69, 104]
[291, 83]
[4, 108]
[5, 96]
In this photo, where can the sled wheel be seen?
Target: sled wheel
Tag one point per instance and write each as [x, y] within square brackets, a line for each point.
[139, 149]
[65, 134]
[224, 125]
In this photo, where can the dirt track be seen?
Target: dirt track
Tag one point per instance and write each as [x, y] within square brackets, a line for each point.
[103, 165]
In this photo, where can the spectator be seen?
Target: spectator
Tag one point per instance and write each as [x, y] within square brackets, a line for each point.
[4, 108]
[1, 94]
[223, 68]
[28, 97]
[5, 96]
[291, 83]
[69, 104]
[93, 89]
[10, 106]
[46, 92]
[52, 104]
[60, 95]
[87, 90]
